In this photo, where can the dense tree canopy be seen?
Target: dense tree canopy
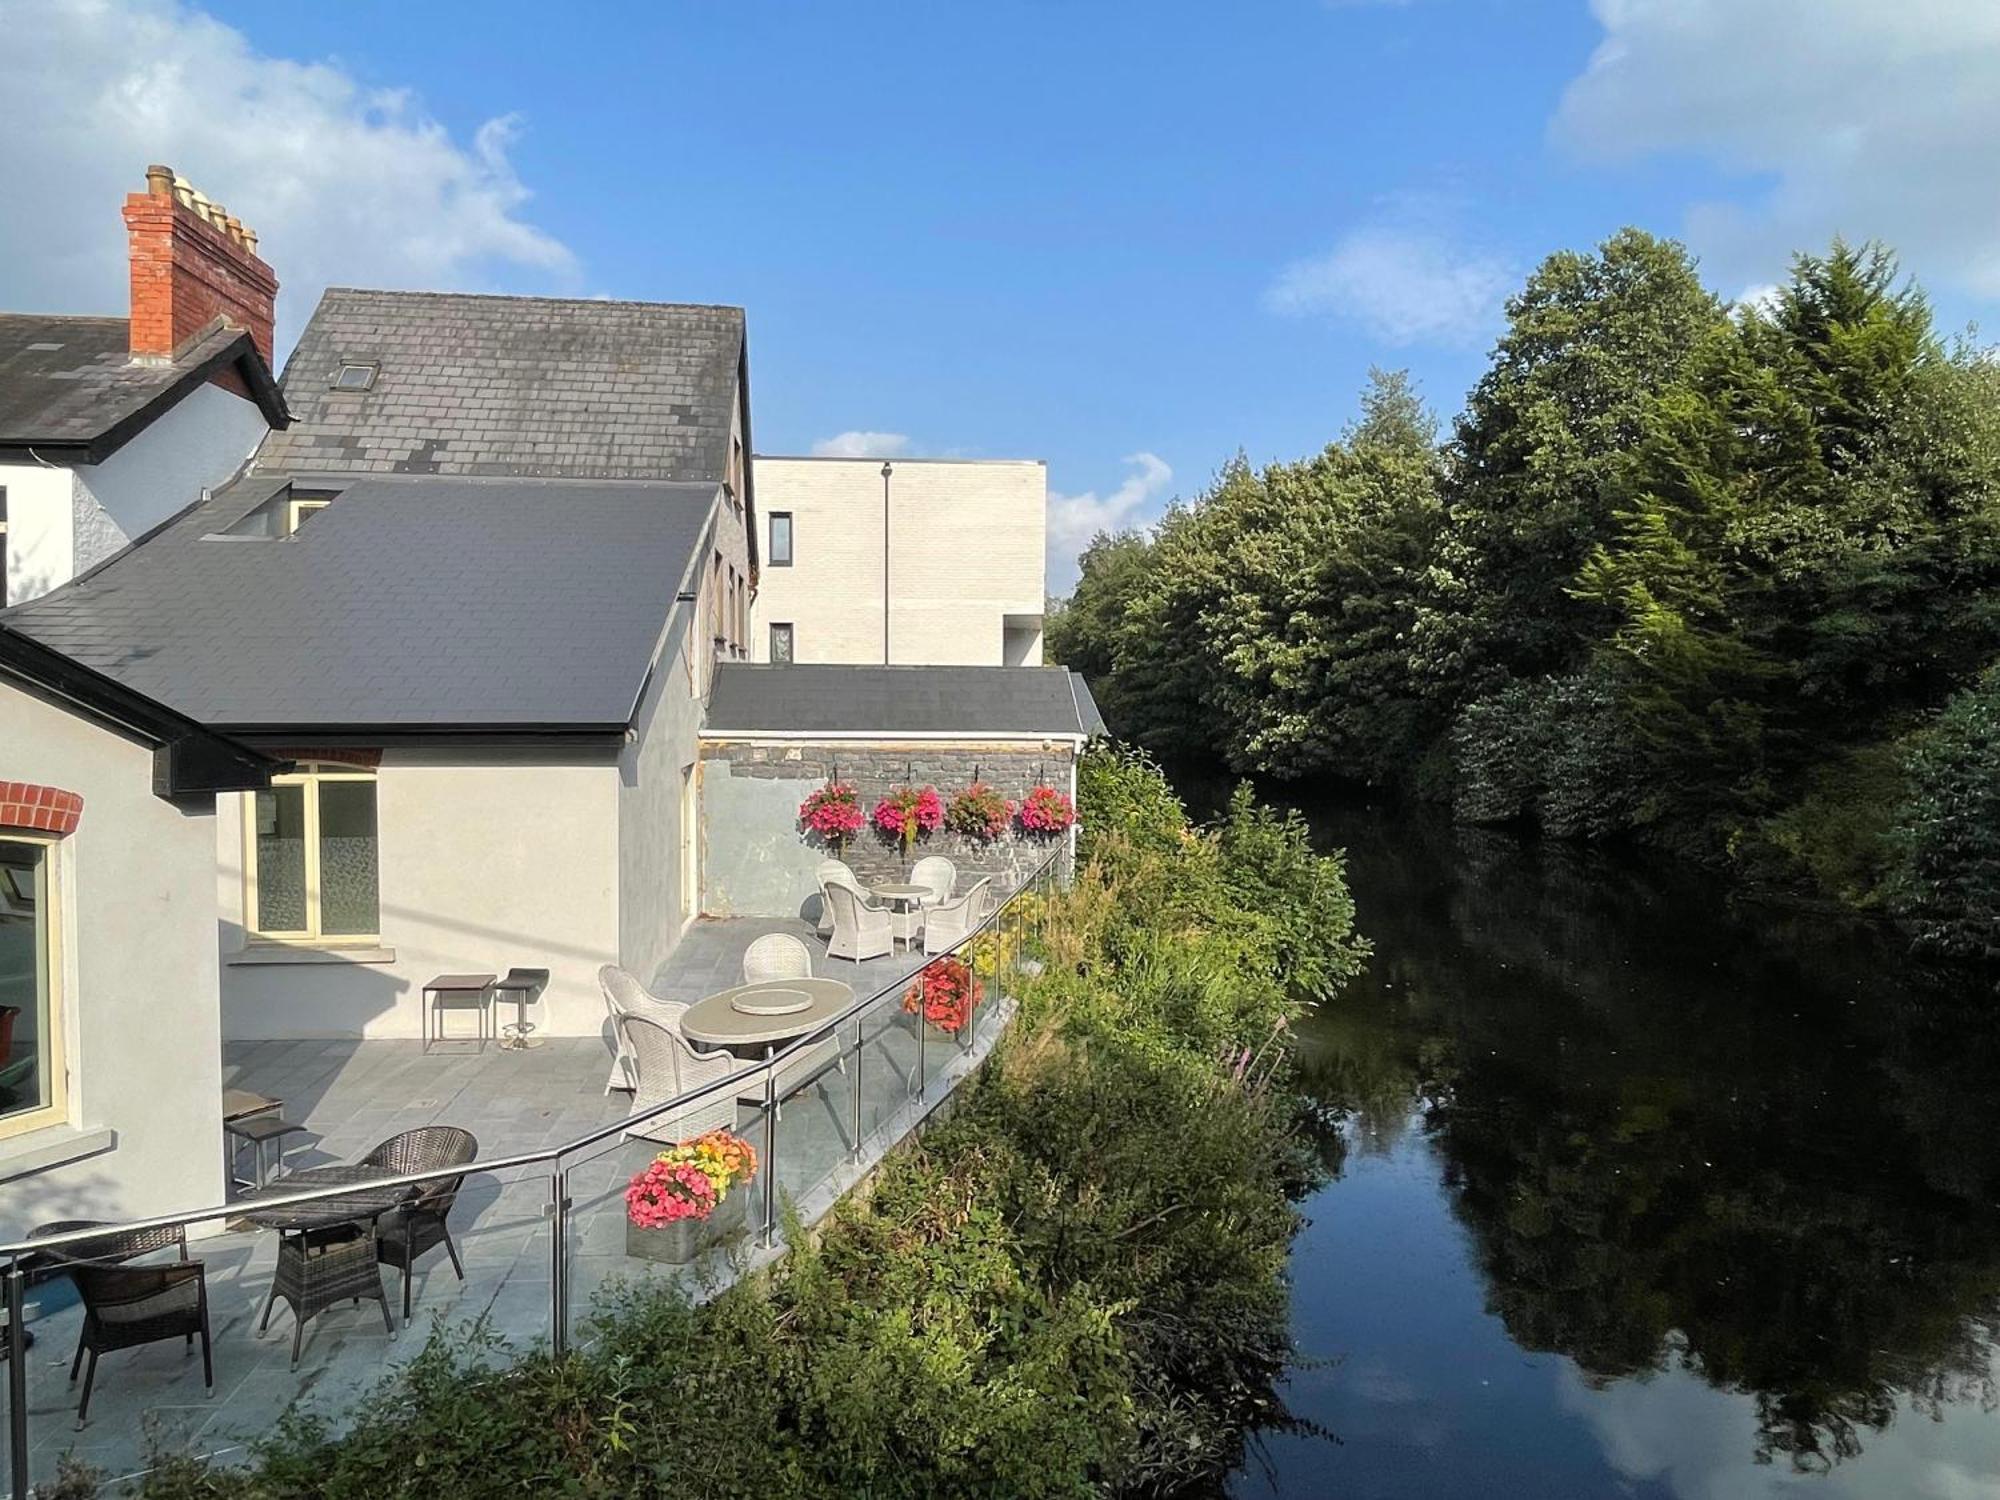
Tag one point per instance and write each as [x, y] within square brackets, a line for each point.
[1697, 574]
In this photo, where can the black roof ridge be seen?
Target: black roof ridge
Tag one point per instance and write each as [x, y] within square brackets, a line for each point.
[384, 291]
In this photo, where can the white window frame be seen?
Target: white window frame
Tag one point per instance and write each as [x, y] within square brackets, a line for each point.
[309, 777]
[56, 1111]
[296, 512]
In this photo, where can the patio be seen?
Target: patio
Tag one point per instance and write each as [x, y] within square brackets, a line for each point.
[351, 1095]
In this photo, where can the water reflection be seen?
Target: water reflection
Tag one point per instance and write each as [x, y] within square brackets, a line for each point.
[1733, 1167]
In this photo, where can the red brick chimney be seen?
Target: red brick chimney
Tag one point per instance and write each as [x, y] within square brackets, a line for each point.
[192, 262]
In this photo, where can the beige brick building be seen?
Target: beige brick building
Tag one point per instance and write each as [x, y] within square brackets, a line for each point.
[964, 563]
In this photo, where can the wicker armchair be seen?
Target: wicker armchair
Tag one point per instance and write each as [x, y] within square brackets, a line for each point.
[776, 955]
[860, 929]
[836, 872]
[420, 1227]
[667, 1067]
[127, 1306]
[937, 872]
[951, 922]
[625, 996]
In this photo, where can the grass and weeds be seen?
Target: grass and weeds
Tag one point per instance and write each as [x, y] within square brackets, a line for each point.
[1072, 1286]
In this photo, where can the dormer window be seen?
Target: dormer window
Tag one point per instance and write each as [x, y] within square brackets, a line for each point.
[355, 377]
[301, 506]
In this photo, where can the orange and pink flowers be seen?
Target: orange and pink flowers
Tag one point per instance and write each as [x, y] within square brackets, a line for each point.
[688, 1181]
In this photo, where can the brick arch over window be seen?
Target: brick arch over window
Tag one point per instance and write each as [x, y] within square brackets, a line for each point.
[24, 806]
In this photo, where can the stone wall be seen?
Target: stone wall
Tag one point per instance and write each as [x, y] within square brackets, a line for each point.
[756, 861]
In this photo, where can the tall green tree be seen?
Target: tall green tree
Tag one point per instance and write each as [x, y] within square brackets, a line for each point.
[1591, 340]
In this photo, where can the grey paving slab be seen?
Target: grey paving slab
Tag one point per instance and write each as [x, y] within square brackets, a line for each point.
[352, 1094]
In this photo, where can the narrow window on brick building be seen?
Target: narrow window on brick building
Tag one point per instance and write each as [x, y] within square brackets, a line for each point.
[781, 645]
[781, 539]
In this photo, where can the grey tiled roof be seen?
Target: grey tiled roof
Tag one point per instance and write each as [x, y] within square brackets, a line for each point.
[825, 699]
[512, 386]
[408, 604]
[70, 388]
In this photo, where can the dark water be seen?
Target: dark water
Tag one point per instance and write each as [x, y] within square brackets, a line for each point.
[1638, 1194]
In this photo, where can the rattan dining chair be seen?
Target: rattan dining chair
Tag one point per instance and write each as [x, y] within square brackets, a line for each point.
[625, 996]
[951, 922]
[128, 1306]
[937, 872]
[420, 1226]
[667, 1066]
[776, 955]
[860, 930]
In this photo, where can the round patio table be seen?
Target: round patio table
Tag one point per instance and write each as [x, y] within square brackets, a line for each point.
[906, 898]
[714, 1022]
[357, 1207]
[322, 1262]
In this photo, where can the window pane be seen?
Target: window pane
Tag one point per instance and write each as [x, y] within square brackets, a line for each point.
[281, 860]
[348, 903]
[781, 644]
[781, 539]
[24, 978]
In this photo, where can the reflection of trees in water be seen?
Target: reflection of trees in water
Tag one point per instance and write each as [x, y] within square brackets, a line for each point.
[1682, 1134]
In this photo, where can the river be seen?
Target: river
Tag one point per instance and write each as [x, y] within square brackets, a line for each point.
[1636, 1191]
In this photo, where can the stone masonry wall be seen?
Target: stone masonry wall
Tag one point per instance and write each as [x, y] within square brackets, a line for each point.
[756, 861]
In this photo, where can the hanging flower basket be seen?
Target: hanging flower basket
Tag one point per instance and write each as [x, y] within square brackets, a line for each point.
[979, 812]
[684, 1202]
[832, 814]
[1047, 811]
[909, 812]
[945, 992]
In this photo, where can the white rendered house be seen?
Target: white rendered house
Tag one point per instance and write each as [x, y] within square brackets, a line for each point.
[914, 562]
[108, 426]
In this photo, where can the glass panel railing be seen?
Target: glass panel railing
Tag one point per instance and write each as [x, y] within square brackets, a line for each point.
[538, 1231]
[608, 1244]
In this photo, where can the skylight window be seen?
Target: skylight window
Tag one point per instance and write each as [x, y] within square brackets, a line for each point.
[355, 378]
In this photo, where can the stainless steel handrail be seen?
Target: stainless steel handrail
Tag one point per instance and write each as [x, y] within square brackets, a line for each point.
[546, 1154]
[21, 1254]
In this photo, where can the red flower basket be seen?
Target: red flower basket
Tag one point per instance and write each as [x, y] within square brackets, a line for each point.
[1047, 811]
[979, 812]
[945, 992]
[832, 813]
[907, 812]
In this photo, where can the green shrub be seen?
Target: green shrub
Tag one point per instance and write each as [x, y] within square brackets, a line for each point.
[1071, 1286]
[1947, 878]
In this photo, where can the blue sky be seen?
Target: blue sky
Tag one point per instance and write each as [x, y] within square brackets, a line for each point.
[1126, 238]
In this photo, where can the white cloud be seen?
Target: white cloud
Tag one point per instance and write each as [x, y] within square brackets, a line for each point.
[1403, 277]
[343, 183]
[1075, 519]
[862, 444]
[1877, 122]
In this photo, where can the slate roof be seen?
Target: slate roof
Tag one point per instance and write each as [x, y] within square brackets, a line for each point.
[70, 389]
[512, 386]
[407, 605]
[829, 699]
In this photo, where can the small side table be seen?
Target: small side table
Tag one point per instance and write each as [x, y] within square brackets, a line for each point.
[258, 1132]
[524, 987]
[456, 992]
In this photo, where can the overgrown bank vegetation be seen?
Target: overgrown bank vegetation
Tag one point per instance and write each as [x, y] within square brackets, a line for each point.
[1721, 579]
[1073, 1286]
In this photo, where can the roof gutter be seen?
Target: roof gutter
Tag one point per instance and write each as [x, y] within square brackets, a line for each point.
[189, 760]
[928, 736]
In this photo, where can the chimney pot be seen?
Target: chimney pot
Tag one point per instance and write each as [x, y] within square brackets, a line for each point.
[182, 279]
